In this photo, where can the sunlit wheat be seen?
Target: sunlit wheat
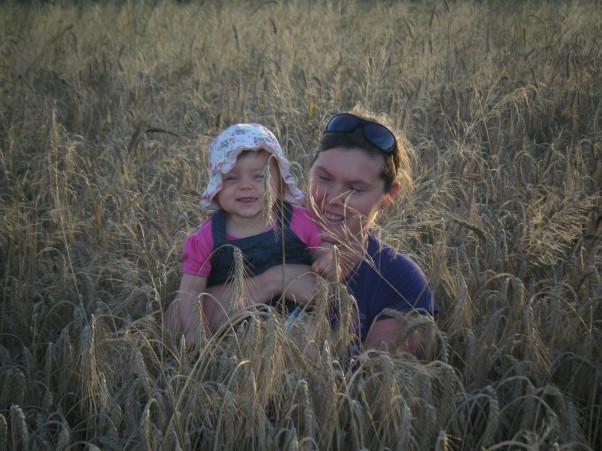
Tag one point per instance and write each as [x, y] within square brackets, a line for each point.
[107, 112]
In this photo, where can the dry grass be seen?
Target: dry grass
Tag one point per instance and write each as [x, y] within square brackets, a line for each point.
[106, 111]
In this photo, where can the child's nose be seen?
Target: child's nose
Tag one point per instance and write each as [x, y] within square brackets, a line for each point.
[247, 183]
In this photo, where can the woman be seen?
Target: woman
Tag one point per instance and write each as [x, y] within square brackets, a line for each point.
[358, 170]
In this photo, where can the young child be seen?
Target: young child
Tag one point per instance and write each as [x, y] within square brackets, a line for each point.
[240, 159]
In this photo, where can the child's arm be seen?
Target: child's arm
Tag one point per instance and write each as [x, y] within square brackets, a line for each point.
[180, 315]
[297, 282]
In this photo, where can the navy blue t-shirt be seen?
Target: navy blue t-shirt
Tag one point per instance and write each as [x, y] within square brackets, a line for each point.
[386, 278]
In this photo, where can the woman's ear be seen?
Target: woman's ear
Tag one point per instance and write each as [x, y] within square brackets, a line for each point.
[390, 196]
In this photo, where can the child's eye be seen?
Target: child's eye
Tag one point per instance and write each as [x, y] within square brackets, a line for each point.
[259, 176]
[353, 189]
[230, 178]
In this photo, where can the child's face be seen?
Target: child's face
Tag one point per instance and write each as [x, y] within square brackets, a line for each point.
[242, 194]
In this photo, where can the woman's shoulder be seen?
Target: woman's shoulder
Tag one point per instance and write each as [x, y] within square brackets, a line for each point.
[387, 258]
[402, 274]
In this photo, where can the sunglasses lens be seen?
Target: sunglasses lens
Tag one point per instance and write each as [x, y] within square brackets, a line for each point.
[342, 123]
[377, 134]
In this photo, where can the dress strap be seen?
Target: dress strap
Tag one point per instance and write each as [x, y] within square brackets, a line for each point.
[218, 226]
[287, 216]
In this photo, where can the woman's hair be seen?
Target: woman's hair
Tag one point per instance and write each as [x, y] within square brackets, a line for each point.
[396, 163]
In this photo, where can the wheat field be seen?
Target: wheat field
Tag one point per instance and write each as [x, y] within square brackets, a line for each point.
[106, 110]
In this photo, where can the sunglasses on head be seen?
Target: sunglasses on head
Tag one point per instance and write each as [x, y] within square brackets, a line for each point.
[375, 133]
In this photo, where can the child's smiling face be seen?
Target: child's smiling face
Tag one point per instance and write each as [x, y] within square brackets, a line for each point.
[242, 193]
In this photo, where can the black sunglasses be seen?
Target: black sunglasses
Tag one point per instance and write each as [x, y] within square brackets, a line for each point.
[375, 133]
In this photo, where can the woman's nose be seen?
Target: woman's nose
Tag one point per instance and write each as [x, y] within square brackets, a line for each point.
[336, 196]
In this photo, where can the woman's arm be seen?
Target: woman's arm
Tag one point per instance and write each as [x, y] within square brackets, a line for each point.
[296, 282]
[385, 335]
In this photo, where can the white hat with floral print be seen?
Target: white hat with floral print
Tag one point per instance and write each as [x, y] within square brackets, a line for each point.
[229, 144]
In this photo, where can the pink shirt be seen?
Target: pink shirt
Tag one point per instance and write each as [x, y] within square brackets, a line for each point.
[199, 245]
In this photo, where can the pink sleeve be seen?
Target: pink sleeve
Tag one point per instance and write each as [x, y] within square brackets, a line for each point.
[305, 228]
[196, 251]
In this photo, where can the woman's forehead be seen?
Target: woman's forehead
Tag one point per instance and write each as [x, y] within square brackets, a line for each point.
[350, 163]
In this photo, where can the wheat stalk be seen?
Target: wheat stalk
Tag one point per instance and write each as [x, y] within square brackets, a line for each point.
[146, 427]
[4, 434]
[88, 364]
[19, 429]
[237, 280]
[64, 437]
[442, 443]
[14, 388]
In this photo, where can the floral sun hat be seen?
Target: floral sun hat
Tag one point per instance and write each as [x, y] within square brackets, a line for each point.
[229, 144]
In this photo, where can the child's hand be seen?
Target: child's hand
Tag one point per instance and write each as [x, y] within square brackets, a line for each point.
[323, 266]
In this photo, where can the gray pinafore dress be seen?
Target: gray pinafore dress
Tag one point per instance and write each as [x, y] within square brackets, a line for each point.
[274, 247]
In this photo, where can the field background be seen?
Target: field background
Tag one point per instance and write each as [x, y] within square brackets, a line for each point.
[106, 109]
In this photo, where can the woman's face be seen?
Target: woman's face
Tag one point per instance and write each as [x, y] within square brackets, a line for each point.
[347, 192]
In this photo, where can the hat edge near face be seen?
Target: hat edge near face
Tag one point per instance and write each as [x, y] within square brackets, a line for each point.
[292, 193]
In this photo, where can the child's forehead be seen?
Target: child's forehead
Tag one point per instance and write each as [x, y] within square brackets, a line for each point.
[256, 153]
[253, 159]
[260, 156]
